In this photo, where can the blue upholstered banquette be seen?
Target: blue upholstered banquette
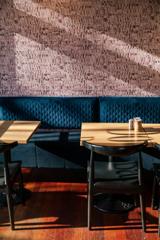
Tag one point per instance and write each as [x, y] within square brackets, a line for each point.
[53, 112]
[56, 143]
[121, 109]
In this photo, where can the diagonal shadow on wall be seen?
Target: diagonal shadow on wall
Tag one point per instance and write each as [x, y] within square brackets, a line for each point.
[134, 22]
[85, 53]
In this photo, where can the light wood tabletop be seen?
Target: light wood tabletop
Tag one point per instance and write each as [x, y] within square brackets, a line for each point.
[20, 131]
[118, 134]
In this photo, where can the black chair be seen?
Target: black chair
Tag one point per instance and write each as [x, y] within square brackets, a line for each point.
[120, 176]
[10, 172]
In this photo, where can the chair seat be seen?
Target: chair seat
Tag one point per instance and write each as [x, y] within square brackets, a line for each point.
[117, 187]
[14, 169]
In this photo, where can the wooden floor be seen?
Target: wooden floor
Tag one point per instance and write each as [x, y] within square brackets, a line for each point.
[58, 211]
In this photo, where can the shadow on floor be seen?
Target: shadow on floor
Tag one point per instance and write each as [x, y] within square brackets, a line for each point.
[45, 210]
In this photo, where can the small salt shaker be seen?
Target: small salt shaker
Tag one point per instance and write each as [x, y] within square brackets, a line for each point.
[138, 124]
[131, 124]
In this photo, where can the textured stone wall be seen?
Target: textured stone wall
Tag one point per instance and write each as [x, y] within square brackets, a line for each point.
[79, 47]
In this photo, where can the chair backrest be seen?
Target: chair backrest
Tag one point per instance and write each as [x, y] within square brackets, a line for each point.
[116, 151]
[111, 152]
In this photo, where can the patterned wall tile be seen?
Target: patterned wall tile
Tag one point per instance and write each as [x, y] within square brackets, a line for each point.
[79, 48]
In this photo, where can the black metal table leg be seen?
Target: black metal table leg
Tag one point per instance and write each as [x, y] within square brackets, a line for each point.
[113, 203]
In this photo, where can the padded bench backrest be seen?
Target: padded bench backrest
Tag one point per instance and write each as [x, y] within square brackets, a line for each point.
[121, 109]
[53, 112]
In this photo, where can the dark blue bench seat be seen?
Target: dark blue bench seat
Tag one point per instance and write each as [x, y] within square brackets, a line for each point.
[57, 143]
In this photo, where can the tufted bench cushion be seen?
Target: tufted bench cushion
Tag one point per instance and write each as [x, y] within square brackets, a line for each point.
[56, 143]
[53, 112]
[121, 109]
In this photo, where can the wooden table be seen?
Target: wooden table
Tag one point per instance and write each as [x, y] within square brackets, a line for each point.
[20, 131]
[117, 134]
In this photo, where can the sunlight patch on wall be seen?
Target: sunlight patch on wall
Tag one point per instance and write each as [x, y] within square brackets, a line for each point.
[112, 44]
[42, 71]
[111, 84]
[45, 72]
[125, 50]
[47, 15]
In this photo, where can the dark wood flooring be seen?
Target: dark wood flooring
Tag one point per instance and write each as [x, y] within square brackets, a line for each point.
[57, 210]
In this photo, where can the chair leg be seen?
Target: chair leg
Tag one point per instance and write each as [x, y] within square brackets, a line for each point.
[159, 218]
[89, 211]
[154, 198]
[143, 215]
[21, 187]
[10, 207]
